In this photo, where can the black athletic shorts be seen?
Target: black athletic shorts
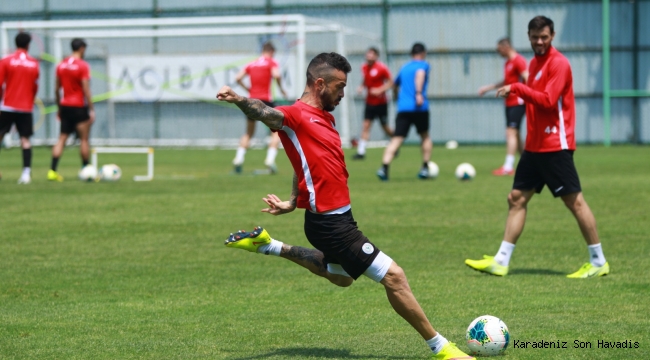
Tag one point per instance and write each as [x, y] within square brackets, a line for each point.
[376, 111]
[554, 169]
[514, 115]
[339, 238]
[24, 123]
[407, 118]
[71, 116]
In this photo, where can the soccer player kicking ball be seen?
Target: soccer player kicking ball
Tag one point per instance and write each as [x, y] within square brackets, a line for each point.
[548, 155]
[313, 146]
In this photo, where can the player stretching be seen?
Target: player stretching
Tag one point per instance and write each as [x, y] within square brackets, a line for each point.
[313, 146]
[548, 156]
[412, 109]
[19, 75]
[261, 72]
[514, 71]
[377, 80]
[76, 109]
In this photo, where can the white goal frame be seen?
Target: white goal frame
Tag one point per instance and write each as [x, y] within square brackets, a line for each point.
[297, 24]
[126, 150]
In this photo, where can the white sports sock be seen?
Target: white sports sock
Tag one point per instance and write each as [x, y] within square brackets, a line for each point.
[361, 147]
[437, 343]
[510, 163]
[273, 248]
[271, 153]
[596, 256]
[504, 253]
[27, 170]
[239, 158]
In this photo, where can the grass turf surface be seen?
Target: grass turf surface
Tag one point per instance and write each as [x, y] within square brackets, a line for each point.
[137, 270]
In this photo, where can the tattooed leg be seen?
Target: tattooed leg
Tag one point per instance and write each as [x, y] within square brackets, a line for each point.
[312, 260]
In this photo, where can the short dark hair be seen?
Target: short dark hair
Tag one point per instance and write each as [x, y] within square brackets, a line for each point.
[418, 48]
[374, 49]
[22, 40]
[77, 44]
[505, 41]
[320, 66]
[540, 22]
[268, 47]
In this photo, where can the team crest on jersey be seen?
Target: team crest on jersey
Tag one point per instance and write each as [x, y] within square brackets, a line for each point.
[373, 72]
[368, 248]
[538, 76]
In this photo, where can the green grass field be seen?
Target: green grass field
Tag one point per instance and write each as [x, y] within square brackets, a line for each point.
[132, 270]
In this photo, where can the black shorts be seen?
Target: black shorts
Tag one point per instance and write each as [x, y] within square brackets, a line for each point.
[339, 238]
[554, 169]
[24, 123]
[376, 111]
[514, 115]
[71, 116]
[407, 118]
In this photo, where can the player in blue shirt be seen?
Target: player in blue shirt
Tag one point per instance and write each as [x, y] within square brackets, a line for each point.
[412, 109]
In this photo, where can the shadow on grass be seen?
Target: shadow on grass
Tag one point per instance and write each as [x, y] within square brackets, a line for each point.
[322, 353]
[535, 272]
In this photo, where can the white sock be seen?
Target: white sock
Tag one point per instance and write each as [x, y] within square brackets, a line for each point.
[27, 171]
[596, 256]
[361, 147]
[510, 163]
[239, 158]
[271, 153]
[504, 253]
[273, 248]
[437, 343]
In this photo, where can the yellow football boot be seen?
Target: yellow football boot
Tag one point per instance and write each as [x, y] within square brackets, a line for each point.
[451, 352]
[54, 176]
[587, 270]
[488, 265]
[250, 241]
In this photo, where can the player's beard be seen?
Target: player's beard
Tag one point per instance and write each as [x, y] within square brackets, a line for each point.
[329, 103]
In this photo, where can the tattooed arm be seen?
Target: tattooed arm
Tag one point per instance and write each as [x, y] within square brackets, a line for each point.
[254, 109]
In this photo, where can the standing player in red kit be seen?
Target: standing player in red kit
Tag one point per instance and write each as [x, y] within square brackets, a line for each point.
[18, 86]
[76, 109]
[377, 80]
[548, 156]
[343, 253]
[261, 72]
[515, 71]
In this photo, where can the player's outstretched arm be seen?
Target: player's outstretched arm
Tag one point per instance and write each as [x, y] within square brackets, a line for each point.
[279, 207]
[253, 108]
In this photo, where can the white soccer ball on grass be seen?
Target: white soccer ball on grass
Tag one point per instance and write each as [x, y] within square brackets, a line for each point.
[434, 170]
[487, 336]
[88, 173]
[465, 171]
[110, 172]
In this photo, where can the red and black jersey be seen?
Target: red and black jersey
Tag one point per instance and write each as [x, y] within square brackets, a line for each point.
[314, 148]
[19, 75]
[512, 70]
[71, 71]
[550, 103]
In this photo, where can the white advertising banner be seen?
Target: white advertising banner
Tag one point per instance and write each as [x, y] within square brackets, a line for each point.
[151, 78]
